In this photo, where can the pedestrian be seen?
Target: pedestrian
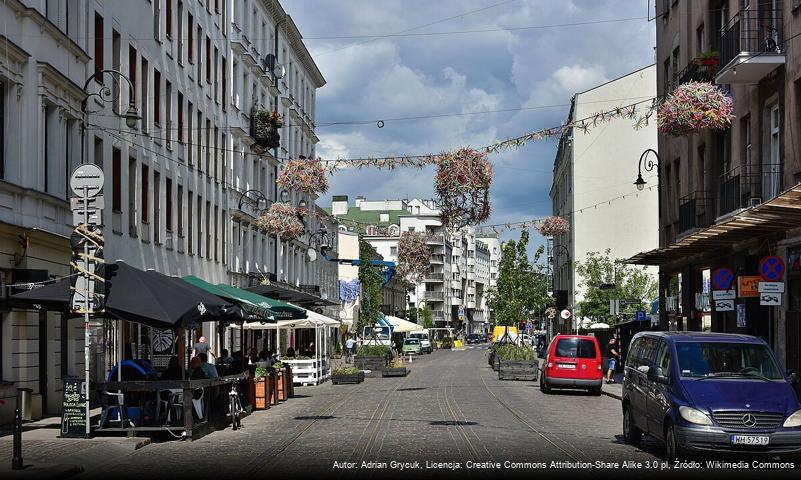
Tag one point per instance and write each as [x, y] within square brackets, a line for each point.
[350, 347]
[200, 347]
[612, 356]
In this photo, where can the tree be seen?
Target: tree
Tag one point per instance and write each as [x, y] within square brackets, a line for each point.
[631, 283]
[522, 284]
[427, 315]
[371, 281]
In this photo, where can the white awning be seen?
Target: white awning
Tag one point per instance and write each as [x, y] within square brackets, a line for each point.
[312, 320]
[402, 326]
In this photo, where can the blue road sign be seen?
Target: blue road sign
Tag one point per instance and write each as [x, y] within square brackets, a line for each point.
[641, 315]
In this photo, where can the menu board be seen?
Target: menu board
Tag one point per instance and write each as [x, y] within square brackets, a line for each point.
[73, 409]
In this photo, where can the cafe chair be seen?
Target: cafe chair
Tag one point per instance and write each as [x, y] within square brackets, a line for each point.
[114, 401]
[171, 402]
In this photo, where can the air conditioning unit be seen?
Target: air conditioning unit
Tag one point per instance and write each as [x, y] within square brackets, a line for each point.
[754, 201]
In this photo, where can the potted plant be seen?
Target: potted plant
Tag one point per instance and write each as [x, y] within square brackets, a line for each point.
[262, 392]
[394, 369]
[304, 175]
[447, 343]
[371, 357]
[283, 220]
[516, 362]
[265, 126]
[345, 374]
[710, 58]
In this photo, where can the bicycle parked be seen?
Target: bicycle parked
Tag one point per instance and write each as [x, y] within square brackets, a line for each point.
[235, 407]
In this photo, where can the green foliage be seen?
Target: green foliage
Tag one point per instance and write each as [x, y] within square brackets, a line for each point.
[412, 314]
[510, 351]
[447, 341]
[522, 284]
[632, 283]
[343, 370]
[428, 316]
[372, 351]
[260, 372]
[278, 365]
[372, 281]
[338, 348]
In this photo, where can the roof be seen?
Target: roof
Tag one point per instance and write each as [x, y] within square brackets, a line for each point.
[779, 214]
[705, 337]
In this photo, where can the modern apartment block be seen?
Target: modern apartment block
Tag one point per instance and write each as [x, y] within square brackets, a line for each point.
[593, 184]
[182, 188]
[730, 198]
[458, 279]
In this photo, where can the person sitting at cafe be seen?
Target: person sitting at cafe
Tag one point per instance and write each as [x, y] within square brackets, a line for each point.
[195, 370]
[224, 358]
[290, 352]
[209, 369]
[173, 371]
[253, 357]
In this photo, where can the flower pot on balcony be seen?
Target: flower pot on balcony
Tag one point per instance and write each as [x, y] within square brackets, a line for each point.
[708, 62]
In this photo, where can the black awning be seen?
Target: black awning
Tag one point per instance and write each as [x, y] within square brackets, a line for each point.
[145, 297]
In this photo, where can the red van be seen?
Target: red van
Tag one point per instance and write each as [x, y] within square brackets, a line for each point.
[572, 361]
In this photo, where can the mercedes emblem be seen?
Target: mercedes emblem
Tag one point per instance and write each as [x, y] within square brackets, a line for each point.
[749, 420]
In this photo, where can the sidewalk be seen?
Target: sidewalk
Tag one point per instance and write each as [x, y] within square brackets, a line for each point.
[614, 390]
[45, 455]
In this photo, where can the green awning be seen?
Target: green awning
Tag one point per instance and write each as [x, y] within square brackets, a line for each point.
[281, 310]
[255, 310]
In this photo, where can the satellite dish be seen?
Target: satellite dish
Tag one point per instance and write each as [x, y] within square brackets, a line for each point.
[311, 253]
[343, 314]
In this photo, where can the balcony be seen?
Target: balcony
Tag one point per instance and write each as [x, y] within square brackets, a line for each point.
[751, 47]
[434, 295]
[435, 277]
[435, 239]
[749, 187]
[699, 71]
[695, 211]
[437, 258]
[438, 315]
[239, 42]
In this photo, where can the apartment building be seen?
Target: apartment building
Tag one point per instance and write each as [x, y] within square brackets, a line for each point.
[177, 186]
[594, 172]
[456, 284]
[728, 197]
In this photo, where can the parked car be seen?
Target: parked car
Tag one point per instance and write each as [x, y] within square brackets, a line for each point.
[412, 345]
[475, 338]
[425, 341]
[572, 361]
[527, 340]
[709, 392]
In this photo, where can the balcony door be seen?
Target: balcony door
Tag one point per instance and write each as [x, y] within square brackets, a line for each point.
[772, 165]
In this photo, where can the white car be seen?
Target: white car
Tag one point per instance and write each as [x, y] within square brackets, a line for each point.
[527, 340]
[425, 342]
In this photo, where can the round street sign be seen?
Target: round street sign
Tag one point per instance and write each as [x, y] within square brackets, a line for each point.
[771, 268]
[565, 314]
[722, 278]
[87, 180]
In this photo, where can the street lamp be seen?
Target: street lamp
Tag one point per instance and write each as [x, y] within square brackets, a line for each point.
[649, 167]
[131, 115]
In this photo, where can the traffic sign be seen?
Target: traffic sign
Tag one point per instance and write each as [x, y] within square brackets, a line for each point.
[770, 299]
[771, 268]
[722, 278]
[771, 287]
[566, 314]
[723, 295]
[748, 286]
[87, 180]
[641, 315]
[724, 305]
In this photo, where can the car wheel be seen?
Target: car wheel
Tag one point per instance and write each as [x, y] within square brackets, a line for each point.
[544, 388]
[631, 434]
[596, 391]
[672, 449]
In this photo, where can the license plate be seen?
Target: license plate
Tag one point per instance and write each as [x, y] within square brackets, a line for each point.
[568, 366]
[749, 440]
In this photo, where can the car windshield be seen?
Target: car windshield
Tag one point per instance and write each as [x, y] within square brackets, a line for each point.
[718, 359]
[575, 348]
[412, 341]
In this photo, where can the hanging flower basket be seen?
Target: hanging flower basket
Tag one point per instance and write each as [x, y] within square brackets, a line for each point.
[693, 107]
[304, 175]
[282, 220]
[462, 184]
[554, 226]
[413, 257]
[265, 126]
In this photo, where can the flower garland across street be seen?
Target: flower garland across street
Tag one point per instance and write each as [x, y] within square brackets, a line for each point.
[304, 175]
[554, 226]
[693, 107]
[413, 256]
[283, 220]
[462, 184]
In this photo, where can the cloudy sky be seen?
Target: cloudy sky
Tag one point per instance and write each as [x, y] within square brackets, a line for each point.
[530, 72]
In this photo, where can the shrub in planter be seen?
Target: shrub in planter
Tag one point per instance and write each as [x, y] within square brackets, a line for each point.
[372, 357]
[693, 107]
[347, 375]
[447, 343]
[394, 369]
[516, 362]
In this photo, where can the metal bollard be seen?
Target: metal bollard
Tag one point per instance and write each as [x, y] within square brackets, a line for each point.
[16, 460]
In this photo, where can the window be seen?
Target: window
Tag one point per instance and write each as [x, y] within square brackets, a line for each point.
[199, 54]
[674, 67]
[393, 251]
[189, 215]
[208, 146]
[180, 21]
[157, 207]
[168, 205]
[216, 75]
[116, 53]
[190, 41]
[746, 129]
[116, 184]
[190, 122]
[144, 96]
[223, 247]
[157, 20]
[199, 140]
[180, 211]
[225, 84]
[98, 47]
[145, 192]
[132, 62]
[168, 109]
[663, 358]
[2, 129]
[156, 97]
[168, 19]
[180, 117]
[216, 234]
[132, 197]
[208, 59]
[199, 226]
[216, 154]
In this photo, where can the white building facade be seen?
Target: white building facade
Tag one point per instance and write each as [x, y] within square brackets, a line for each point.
[593, 184]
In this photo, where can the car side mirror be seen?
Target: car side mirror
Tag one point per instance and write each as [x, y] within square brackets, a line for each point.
[657, 375]
[793, 377]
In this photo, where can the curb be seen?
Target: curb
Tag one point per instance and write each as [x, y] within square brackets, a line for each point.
[611, 394]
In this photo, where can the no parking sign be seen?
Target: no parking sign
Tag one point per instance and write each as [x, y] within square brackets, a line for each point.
[771, 268]
[722, 278]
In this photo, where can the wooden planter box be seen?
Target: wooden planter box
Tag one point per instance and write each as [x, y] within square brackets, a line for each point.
[373, 363]
[280, 386]
[518, 369]
[394, 372]
[290, 384]
[338, 379]
[262, 393]
[272, 378]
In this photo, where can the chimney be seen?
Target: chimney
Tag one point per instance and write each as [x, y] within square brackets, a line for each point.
[339, 205]
[359, 201]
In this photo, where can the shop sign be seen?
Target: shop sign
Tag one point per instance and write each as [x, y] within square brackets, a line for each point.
[748, 286]
[771, 287]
